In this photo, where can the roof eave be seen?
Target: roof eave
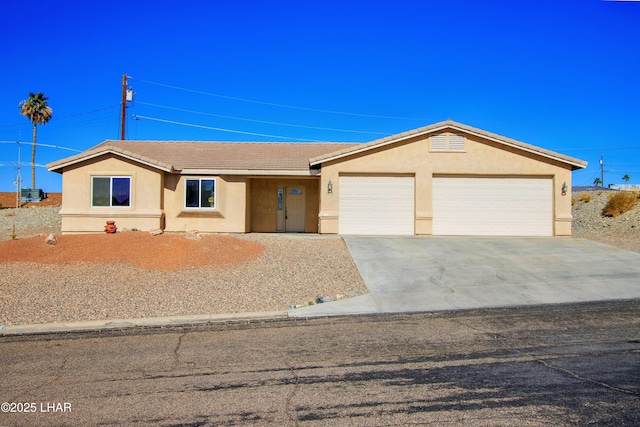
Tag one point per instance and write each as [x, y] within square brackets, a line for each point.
[61, 164]
[260, 172]
[449, 124]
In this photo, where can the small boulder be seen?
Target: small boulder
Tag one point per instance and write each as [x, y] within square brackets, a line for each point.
[51, 239]
[192, 234]
[156, 232]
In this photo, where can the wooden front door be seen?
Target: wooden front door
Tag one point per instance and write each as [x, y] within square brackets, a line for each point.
[294, 210]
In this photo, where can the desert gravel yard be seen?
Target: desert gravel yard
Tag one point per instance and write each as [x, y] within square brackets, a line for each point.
[134, 275]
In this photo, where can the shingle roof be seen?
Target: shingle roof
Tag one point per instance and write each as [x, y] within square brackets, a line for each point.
[181, 155]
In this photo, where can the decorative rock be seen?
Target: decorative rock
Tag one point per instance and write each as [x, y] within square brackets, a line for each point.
[51, 239]
[321, 300]
[352, 294]
[192, 234]
[156, 232]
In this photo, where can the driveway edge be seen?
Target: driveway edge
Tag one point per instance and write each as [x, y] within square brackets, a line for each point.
[148, 322]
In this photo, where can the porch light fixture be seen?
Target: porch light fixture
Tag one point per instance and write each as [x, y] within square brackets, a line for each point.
[329, 187]
[564, 188]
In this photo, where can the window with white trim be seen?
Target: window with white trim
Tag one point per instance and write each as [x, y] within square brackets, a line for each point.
[200, 193]
[447, 142]
[110, 191]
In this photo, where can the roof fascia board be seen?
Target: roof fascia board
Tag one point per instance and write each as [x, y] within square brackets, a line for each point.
[447, 125]
[522, 146]
[374, 144]
[263, 172]
[54, 167]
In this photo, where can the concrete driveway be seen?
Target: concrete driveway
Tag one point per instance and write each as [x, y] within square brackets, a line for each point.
[411, 274]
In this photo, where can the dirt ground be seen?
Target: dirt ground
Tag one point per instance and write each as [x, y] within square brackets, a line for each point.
[164, 252]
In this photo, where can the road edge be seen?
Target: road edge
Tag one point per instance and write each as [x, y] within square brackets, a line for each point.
[146, 322]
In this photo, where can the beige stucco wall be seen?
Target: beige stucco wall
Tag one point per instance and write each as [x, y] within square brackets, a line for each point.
[229, 215]
[144, 212]
[481, 158]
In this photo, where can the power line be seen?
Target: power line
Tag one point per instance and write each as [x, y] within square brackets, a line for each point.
[273, 104]
[6, 162]
[261, 121]
[65, 117]
[636, 147]
[136, 117]
[41, 145]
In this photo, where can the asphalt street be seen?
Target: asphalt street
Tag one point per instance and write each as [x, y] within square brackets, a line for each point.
[561, 365]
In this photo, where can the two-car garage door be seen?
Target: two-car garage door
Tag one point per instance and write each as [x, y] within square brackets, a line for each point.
[484, 206]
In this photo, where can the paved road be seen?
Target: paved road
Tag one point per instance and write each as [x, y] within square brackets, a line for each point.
[569, 365]
[425, 273]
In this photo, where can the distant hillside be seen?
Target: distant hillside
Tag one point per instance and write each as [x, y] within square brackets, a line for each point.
[588, 223]
[8, 200]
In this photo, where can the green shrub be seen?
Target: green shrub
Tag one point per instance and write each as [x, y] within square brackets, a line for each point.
[620, 203]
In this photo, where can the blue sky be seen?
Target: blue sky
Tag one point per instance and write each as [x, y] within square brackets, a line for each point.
[559, 74]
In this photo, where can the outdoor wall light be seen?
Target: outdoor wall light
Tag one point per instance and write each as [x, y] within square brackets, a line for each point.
[330, 187]
[564, 189]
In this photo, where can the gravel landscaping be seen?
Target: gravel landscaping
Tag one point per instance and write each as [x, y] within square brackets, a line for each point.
[291, 269]
[588, 223]
[275, 271]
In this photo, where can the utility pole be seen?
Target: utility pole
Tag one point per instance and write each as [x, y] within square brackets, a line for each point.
[18, 183]
[127, 96]
[602, 169]
[124, 106]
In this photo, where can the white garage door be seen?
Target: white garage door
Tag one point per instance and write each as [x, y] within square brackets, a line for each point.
[376, 205]
[492, 206]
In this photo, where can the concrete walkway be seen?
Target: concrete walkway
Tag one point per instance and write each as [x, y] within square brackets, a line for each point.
[410, 274]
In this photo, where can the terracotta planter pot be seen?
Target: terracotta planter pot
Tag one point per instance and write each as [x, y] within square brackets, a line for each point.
[110, 227]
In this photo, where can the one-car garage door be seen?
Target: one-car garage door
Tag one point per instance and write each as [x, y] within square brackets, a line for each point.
[492, 206]
[376, 205]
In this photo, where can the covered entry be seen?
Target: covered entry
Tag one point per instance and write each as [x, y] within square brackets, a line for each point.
[283, 205]
[493, 206]
[376, 204]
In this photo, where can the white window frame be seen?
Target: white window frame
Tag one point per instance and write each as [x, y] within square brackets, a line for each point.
[215, 193]
[111, 178]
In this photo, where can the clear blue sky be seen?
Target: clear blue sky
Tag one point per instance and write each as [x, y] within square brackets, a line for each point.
[561, 74]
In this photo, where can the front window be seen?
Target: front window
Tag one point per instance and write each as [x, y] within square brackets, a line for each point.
[200, 193]
[108, 191]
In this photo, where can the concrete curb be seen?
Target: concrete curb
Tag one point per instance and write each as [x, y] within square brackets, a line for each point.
[148, 322]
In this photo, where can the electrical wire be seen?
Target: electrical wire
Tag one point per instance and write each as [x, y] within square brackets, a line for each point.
[64, 117]
[273, 104]
[41, 145]
[136, 117]
[561, 150]
[260, 121]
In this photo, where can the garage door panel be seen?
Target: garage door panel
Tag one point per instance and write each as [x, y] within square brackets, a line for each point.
[377, 205]
[492, 206]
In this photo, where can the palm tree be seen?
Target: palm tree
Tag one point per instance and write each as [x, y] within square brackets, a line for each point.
[597, 181]
[35, 108]
[626, 179]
